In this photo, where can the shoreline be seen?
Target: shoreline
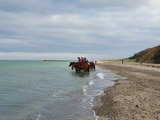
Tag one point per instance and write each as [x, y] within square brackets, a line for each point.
[137, 97]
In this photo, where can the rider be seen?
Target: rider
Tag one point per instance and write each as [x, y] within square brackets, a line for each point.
[79, 59]
[82, 60]
[85, 60]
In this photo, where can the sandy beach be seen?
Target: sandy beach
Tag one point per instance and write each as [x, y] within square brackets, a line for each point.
[135, 98]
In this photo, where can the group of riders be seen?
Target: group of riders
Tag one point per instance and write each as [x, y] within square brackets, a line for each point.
[82, 64]
[82, 60]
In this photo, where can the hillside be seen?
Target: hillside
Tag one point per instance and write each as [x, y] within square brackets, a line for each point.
[150, 55]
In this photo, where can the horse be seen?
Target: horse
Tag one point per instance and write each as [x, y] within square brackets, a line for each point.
[74, 65]
[92, 65]
[79, 66]
[84, 66]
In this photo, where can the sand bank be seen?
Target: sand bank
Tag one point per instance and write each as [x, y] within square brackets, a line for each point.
[135, 98]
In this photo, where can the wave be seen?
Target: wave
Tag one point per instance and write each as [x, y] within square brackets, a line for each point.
[90, 91]
[100, 75]
[38, 117]
[91, 83]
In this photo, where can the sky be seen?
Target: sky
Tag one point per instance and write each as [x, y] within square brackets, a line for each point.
[66, 29]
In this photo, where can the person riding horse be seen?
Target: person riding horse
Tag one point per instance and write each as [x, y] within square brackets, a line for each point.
[82, 64]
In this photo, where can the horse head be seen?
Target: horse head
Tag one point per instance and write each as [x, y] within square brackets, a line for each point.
[71, 63]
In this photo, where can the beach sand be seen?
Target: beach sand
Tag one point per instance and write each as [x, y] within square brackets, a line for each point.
[135, 98]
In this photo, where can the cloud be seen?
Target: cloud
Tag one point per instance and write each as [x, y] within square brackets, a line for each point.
[12, 42]
[38, 6]
[32, 6]
[119, 3]
[90, 27]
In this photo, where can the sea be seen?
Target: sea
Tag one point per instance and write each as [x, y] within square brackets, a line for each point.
[50, 90]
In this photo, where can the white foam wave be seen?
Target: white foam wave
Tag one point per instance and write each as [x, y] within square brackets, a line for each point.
[38, 117]
[96, 117]
[85, 88]
[94, 93]
[100, 75]
[91, 83]
[98, 92]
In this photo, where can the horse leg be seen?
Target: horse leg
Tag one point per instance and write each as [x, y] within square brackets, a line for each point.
[77, 69]
[88, 68]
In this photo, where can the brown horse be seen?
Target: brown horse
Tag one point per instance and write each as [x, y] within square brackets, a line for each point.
[84, 66]
[79, 66]
[92, 66]
[74, 65]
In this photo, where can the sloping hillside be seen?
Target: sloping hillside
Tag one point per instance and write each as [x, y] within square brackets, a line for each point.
[150, 55]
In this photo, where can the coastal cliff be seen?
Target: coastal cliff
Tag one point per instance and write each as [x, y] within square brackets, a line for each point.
[150, 55]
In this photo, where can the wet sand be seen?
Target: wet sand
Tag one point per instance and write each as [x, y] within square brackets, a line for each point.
[135, 98]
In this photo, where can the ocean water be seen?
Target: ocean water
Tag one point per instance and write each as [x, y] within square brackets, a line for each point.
[38, 90]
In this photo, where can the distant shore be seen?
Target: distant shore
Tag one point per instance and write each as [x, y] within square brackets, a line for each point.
[135, 98]
[57, 60]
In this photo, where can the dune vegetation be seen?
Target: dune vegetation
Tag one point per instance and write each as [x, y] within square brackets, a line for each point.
[150, 55]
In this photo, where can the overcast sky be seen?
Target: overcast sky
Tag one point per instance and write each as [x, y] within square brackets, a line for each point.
[66, 29]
